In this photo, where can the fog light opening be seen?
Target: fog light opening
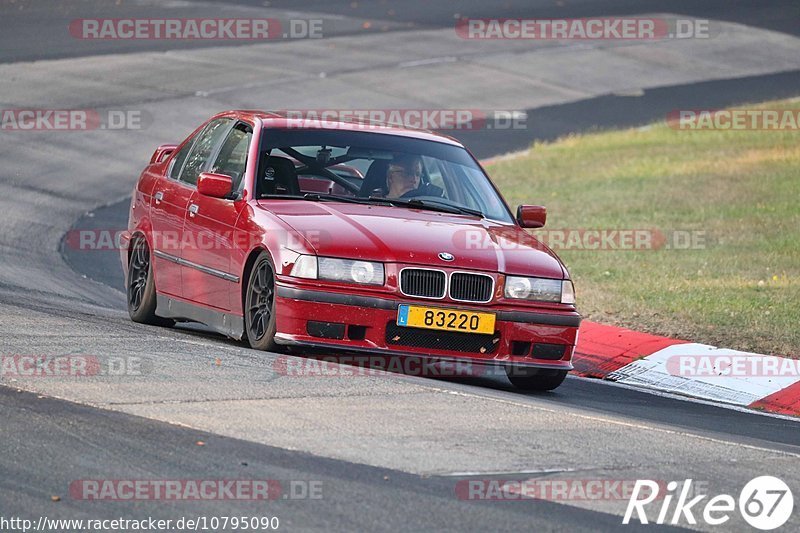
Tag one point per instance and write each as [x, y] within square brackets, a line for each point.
[520, 348]
[356, 333]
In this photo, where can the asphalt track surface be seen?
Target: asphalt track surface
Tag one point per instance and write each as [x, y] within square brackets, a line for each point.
[36, 30]
[388, 450]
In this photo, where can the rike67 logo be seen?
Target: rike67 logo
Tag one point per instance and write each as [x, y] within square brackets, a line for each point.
[765, 503]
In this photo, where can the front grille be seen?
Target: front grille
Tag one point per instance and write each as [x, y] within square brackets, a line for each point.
[471, 287]
[423, 283]
[441, 340]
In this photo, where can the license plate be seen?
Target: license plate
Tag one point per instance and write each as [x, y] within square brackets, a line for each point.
[416, 316]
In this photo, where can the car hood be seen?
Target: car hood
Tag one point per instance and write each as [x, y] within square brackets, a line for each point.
[401, 235]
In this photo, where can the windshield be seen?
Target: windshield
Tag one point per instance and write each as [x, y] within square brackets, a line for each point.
[372, 167]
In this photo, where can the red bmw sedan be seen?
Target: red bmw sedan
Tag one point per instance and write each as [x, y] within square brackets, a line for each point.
[349, 237]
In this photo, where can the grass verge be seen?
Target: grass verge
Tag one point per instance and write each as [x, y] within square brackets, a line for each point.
[736, 193]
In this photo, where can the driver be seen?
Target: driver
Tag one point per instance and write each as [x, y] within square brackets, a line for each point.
[403, 178]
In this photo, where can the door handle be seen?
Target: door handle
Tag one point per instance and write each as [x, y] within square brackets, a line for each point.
[193, 209]
[159, 196]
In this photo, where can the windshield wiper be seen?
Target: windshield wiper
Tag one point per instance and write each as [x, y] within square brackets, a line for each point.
[428, 204]
[314, 197]
[318, 197]
[457, 208]
[415, 203]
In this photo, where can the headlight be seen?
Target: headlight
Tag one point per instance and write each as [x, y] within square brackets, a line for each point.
[346, 270]
[540, 289]
[351, 271]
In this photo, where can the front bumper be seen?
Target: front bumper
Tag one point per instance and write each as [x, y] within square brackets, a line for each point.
[366, 324]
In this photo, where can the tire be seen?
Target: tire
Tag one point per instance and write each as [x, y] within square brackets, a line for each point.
[141, 286]
[535, 379]
[259, 305]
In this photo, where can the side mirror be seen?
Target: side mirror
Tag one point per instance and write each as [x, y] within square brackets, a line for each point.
[531, 216]
[214, 185]
[162, 152]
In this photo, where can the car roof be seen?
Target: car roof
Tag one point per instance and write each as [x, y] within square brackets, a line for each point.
[282, 120]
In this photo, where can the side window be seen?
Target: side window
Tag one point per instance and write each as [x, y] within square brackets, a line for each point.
[180, 158]
[202, 149]
[232, 159]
